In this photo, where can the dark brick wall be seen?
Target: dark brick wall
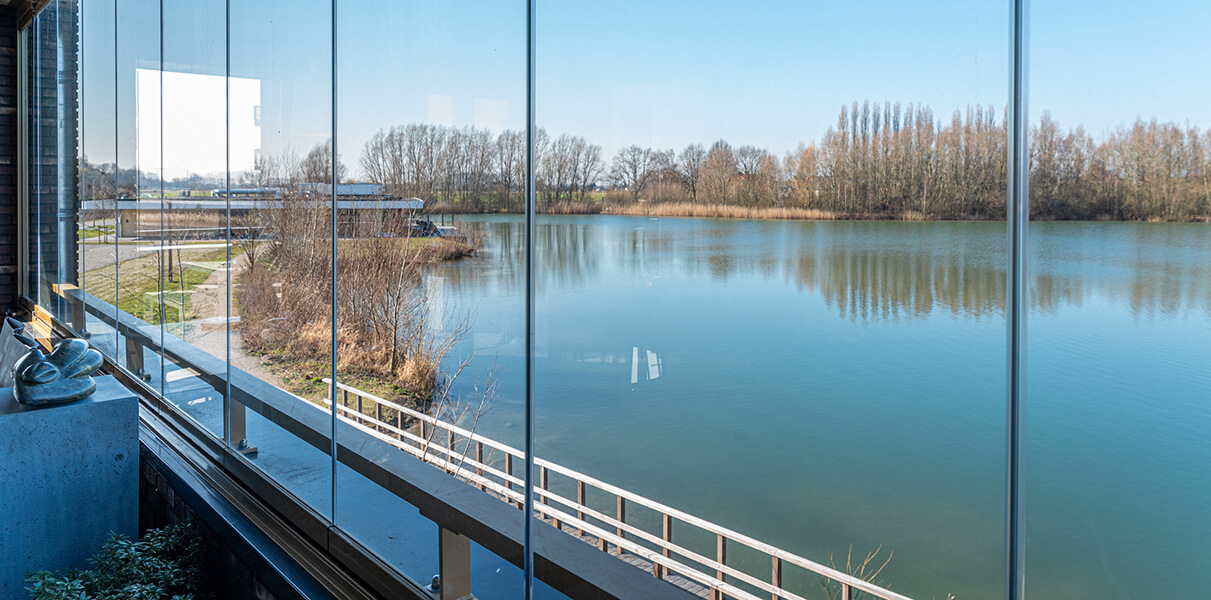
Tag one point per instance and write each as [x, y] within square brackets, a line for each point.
[224, 573]
[8, 158]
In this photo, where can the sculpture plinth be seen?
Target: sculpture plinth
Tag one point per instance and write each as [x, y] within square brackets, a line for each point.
[69, 474]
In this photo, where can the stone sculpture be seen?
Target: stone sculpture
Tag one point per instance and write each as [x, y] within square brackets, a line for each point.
[64, 375]
[11, 349]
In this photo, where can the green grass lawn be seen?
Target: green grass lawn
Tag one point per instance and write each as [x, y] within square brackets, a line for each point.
[138, 288]
[96, 231]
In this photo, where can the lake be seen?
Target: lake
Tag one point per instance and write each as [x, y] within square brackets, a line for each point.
[818, 385]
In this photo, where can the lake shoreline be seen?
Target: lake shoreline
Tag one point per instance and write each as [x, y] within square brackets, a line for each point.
[769, 213]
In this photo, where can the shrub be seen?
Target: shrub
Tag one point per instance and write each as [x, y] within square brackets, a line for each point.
[164, 565]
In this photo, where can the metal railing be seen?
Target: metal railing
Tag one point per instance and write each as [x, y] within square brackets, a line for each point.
[461, 452]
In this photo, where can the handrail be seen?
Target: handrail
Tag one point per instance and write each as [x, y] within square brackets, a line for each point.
[473, 470]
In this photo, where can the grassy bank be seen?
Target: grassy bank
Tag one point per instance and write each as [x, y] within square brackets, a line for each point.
[385, 344]
[721, 211]
[427, 249]
[136, 290]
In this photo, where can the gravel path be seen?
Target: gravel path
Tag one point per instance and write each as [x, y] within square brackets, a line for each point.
[209, 334]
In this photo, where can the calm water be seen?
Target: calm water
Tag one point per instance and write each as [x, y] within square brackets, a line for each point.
[817, 385]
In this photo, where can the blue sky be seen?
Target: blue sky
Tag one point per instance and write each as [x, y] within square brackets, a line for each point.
[661, 73]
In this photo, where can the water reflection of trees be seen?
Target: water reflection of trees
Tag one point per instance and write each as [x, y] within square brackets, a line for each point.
[875, 285]
[863, 271]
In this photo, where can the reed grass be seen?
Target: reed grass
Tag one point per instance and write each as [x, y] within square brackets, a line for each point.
[722, 211]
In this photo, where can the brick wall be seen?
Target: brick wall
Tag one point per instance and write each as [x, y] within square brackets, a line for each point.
[8, 158]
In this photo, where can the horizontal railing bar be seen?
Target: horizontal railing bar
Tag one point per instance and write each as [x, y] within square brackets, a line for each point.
[575, 521]
[470, 475]
[663, 544]
[419, 452]
[431, 420]
[735, 536]
[653, 557]
[555, 513]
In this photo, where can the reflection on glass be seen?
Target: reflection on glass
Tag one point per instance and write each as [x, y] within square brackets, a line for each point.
[98, 144]
[137, 181]
[188, 223]
[427, 128]
[790, 330]
[771, 311]
[52, 88]
[1115, 481]
[278, 150]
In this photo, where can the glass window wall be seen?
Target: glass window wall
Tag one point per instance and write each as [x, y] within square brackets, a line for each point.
[771, 280]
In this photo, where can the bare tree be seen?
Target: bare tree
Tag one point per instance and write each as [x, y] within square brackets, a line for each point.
[317, 165]
[510, 158]
[718, 170]
[689, 166]
[632, 170]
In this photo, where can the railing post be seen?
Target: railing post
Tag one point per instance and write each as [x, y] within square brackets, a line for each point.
[134, 358]
[666, 533]
[579, 504]
[543, 482]
[622, 518]
[454, 564]
[509, 471]
[721, 558]
[776, 576]
[479, 458]
[378, 417]
[846, 592]
[237, 423]
[361, 418]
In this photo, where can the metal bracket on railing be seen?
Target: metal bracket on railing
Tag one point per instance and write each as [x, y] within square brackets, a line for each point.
[237, 424]
[134, 359]
[454, 562]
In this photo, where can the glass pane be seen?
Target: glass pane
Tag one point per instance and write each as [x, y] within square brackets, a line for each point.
[787, 326]
[137, 187]
[279, 145]
[52, 138]
[1119, 330]
[191, 230]
[98, 144]
[431, 319]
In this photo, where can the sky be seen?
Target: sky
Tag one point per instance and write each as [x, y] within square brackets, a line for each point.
[649, 72]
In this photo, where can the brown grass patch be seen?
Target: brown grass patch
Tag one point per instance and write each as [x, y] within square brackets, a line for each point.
[722, 211]
[571, 208]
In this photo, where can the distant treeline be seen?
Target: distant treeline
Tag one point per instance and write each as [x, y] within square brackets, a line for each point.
[877, 161]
